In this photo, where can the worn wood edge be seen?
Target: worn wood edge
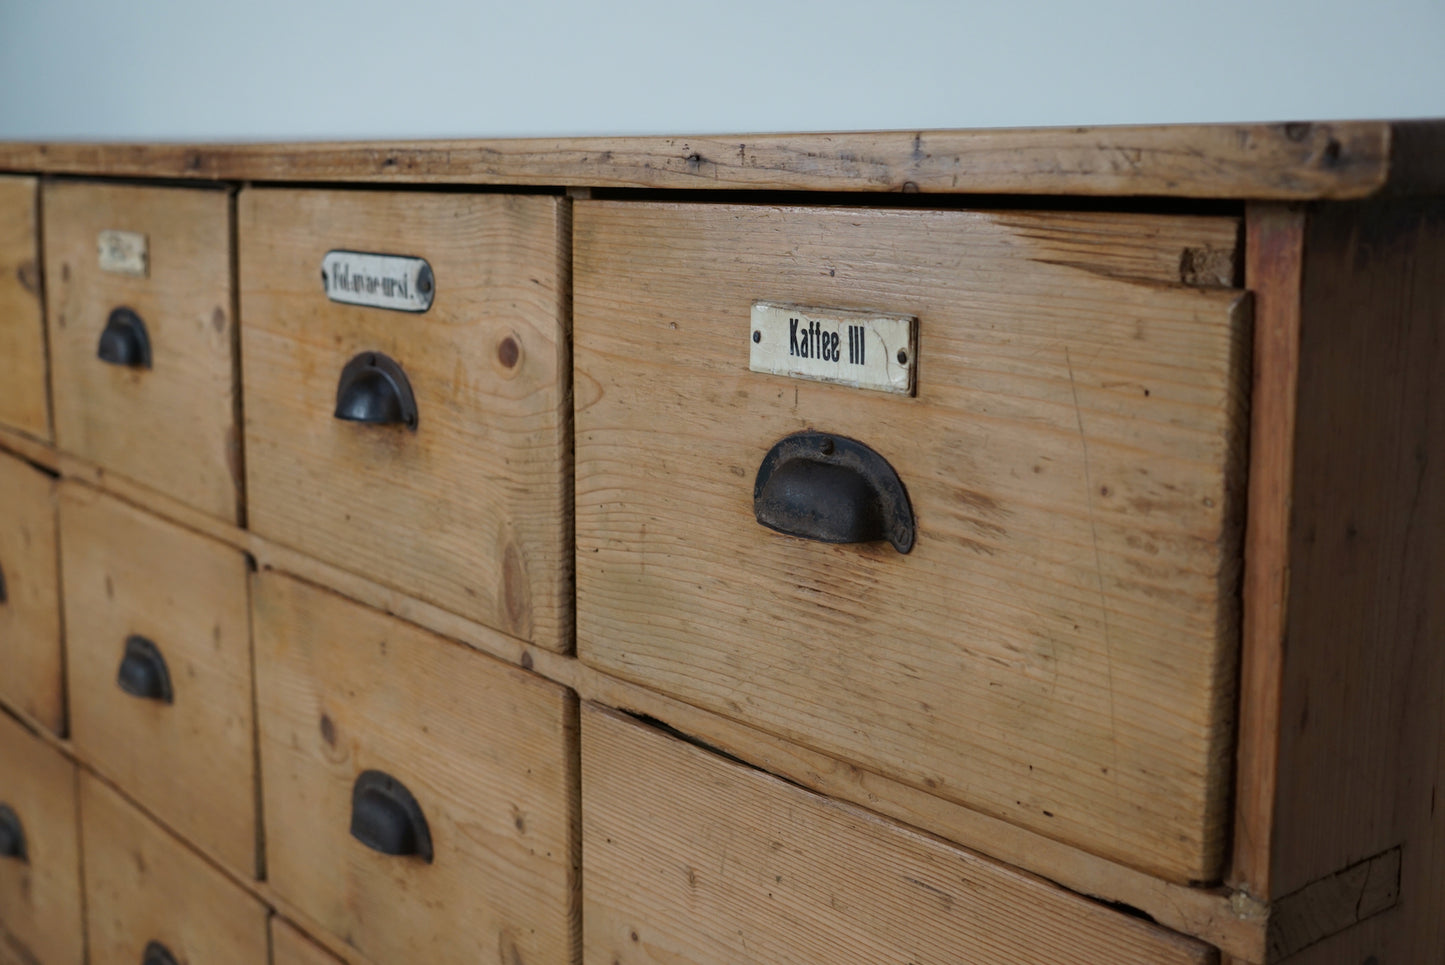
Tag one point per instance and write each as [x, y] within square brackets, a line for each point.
[1273, 271]
[1296, 161]
[1417, 158]
[32, 450]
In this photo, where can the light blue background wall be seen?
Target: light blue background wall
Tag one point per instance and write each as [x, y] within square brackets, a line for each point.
[199, 69]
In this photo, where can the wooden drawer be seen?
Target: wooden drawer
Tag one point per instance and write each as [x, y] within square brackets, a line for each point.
[39, 892]
[142, 885]
[694, 858]
[31, 669]
[469, 509]
[189, 758]
[23, 402]
[171, 426]
[291, 946]
[1058, 648]
[485, 751]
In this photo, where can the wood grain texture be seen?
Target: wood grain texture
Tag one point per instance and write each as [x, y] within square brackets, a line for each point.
[1264, 161]
[191, 763]
[692, 858]
[291, 946]
[172, 427]
[487, 750]
[1058, 648]
[24, 390]
[32, 666]
[472, 510]
[142, 885]
[40, 898]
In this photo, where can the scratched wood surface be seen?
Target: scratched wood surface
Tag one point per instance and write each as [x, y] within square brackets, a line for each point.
[32, 668]
[694, 859]
[192, 763]
[291, 946]
[142, 884]
[1267, 161]
[24, 400]
[487, 750]
[174, 426]
[471, 511]
[40, 897]
[1058, 648]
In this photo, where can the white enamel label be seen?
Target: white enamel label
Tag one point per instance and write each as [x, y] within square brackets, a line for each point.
[123, 252]
[867, 350]
[379, 281]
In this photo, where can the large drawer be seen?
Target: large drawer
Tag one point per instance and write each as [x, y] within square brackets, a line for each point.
[418, 795]
[31, 667]
[40, 860]
[692, 858]
[1058, 648]
[466, 505]
[143, 336]
[24, 404]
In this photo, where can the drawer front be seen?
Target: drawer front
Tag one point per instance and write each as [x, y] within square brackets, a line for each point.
[142, 885]
[31, 674]
[23, 403]
[695, 859]
[40, 885]
[291, 946]
[349, 699]
[1057, 648]
[469, 509]
[171, 426]
[142, 594]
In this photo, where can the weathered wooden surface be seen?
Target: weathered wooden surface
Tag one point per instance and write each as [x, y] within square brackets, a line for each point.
[172, 427]
[142, 885]
[291, 946]
[40, 906]
[32, 669]
[1058, 648]
[24, 402]
[1263, 161]
[487, 750]
[192, 762]
[692, 858]
[471, 511]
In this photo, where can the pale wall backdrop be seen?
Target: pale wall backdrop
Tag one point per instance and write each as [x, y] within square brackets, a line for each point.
[272, 69]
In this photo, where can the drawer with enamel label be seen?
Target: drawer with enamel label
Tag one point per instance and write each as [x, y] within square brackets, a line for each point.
[143, 336]
[418, 795]
[406, 376]
[150, 899]
[693, 858]
[972, 522]
[31, 664]
[159, 656]
[23, 401]
[39, 851]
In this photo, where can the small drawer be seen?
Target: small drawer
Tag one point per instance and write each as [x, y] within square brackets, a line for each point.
[159, 655]
[692, 858]
[23, 402]
[145, 890]
[31, 667]
[40, 917]
[419, 796]
[1054, 641]
[291, 946]
[460, 499]
[143, 336]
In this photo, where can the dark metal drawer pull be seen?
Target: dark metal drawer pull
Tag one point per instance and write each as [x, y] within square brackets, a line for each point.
[12, 836]
[832, 489]
[373, 389]
[157, 954]
[143, 671]
[386, 818]
[124, 340]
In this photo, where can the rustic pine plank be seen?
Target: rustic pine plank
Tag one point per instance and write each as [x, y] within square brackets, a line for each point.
[24, 390]
[291, 946]
[32, 666]
[1259, 161]
[1073, 458]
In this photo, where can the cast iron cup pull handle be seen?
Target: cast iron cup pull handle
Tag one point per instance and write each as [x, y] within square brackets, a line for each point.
[832, 489]
[157, 954]
[373, 389]
[143, 671]
[386, 818]
[12, 836]
[124, 340]
[3, 595]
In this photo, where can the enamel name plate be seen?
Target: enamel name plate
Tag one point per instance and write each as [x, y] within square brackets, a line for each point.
[123, 252]
[865, 350]
[397, 282]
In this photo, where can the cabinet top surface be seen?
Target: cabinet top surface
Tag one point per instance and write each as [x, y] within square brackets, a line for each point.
[1284, 162]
